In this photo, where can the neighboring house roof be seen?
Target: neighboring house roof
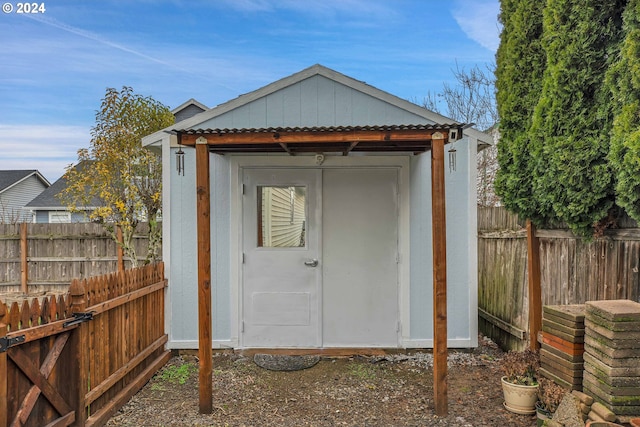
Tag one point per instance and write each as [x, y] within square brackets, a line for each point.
[188, 109]
[48, 200]
[10, 178]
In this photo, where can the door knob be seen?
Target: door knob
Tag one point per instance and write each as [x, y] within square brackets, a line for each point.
[311, 263]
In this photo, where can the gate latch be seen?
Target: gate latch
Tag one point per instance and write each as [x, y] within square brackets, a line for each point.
[5, 342]
[78, 318]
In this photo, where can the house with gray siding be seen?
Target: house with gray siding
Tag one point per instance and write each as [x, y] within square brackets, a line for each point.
[17, 189]
[47, 207]
[359, 270]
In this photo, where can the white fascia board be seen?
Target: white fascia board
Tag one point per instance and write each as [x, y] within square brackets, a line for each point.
[483, 138]
[156, 139]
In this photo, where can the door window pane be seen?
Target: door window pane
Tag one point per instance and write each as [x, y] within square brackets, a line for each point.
[282, 216]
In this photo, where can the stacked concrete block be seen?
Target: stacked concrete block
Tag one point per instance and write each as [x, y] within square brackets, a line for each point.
[562, 344]
[612, 355]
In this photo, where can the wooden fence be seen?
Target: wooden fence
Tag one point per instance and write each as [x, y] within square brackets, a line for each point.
[77, 358]
[572, 271]
[48, 256]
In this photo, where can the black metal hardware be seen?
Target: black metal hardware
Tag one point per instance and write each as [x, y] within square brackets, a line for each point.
[78, 318]
[5, 342]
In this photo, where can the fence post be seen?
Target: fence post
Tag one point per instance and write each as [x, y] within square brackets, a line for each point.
[78, 292]
[3, 370]
[120, 250]
[535, 291]
[24, 264]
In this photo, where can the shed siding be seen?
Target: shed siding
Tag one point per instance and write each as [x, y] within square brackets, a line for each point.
[461, 232]
[326, 103]
[183, 291]
[13, 200]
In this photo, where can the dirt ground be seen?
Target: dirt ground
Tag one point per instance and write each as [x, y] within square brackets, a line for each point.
[394, 390]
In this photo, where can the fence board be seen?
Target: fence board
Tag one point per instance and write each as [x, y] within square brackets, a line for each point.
[572, 270]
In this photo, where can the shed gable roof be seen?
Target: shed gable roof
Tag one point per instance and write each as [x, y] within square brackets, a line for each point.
[314, 97]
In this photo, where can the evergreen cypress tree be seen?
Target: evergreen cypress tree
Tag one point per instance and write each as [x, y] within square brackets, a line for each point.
[623, 79]
[571, 174]
[520, 65]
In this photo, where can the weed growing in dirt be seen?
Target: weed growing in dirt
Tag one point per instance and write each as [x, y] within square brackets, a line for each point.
[362, 372]
[175, 374]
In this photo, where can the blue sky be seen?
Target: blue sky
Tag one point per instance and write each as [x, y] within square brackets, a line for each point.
[55, 66]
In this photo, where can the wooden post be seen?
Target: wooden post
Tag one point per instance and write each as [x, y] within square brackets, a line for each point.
[80, 343]
[4, 397]
[203, 208]
[24, 264]
[120, 251]
[535, 292]
[439, 232]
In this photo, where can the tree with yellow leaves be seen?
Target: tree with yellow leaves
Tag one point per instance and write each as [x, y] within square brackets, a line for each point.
[121, 181]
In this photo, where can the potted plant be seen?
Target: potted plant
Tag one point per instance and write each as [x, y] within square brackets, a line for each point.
[520, 382]
[550, 395]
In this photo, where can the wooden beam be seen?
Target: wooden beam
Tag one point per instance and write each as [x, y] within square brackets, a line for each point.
[535, 291]
[501, 324]
[203, 209]
[351, 147]
[439, 232]
[310, 137]
[24, 264]
[285, 148]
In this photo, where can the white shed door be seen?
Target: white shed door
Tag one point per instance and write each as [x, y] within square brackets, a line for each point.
[281, 272]
[320, 258]
[360, 254]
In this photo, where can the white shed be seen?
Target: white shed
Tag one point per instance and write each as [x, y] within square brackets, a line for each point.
[319, 214]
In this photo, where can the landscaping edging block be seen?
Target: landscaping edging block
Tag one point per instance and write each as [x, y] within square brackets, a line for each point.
[631, 381]
[602, 348]
[615, 310]
[611, 371]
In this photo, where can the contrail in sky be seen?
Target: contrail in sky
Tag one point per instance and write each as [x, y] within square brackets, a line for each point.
[96, 37]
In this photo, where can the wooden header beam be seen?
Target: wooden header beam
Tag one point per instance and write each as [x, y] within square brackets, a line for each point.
[309, 137]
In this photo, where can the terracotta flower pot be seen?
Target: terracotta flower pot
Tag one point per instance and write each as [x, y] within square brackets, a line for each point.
[520, 399]
[635, 422]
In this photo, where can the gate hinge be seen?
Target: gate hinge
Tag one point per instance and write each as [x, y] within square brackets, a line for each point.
[78, 318]
[5, 342]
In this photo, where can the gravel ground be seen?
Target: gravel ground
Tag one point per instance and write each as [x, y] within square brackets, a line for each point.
[394, 390]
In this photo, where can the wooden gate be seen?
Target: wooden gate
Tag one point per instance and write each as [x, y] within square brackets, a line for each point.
[76, 359]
